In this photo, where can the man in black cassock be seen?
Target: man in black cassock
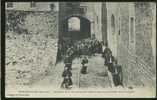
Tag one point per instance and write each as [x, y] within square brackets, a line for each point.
[117, 74]
[84, 65]
[67, 81]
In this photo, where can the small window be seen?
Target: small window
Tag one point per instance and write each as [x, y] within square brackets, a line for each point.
[132, 30]
[9, 5]
[97, 19]
[113, 24]
[119, 26]
[74, 24]
[83, 9]
[52, 6]
[33, 4]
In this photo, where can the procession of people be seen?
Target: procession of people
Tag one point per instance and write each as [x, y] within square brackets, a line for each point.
[89, 47]
[114, 69]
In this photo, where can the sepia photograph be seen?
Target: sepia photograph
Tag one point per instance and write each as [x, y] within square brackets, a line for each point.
[80, 49]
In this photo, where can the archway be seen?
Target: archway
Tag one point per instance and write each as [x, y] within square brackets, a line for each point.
[76, 28]
[71, 29]
[74, 24]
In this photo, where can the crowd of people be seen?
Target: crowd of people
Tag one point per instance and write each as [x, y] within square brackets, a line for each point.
[89, 47]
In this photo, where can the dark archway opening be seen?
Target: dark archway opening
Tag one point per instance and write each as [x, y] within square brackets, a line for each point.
[72, 29]
[82, 32]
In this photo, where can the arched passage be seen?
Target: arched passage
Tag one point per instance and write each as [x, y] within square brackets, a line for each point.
[71, 29]
[74, 24]
[76, 28]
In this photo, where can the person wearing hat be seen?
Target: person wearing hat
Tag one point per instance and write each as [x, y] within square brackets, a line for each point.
[117, 74]
[109, 62]
[67, 81]
[68, 62]
[106, 54]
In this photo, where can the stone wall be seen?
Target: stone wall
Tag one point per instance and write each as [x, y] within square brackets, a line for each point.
[136, 59]
[28, 22]
[138, 66]
[118, 37]
[31, 47]
[123, 43]
[90, 11]
[93, 13]
[144, 24]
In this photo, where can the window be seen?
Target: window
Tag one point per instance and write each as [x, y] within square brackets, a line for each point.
[132, 30]
[33, 4]
[113, 24]
[97, 19]
[52, 6]
[83, 9]
[9, 5]
[74, 24]
[119, 25]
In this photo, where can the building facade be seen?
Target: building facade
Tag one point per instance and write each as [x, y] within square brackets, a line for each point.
[32, 6]
[87, 13]
[130, 36]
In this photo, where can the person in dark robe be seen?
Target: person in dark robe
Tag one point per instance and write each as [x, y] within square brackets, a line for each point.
[100, 47]
[67, 81]
[68, 62]
[117, 74]
[106, 51]
[109, 62]
[84, 65]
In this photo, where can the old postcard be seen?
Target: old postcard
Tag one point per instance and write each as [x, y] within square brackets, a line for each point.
[80, 49]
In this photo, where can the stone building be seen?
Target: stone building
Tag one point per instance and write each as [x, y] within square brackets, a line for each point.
[87, 13]
[131, 37]
[35, 17]
[32, 6]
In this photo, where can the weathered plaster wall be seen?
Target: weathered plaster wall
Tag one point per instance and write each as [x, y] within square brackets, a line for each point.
[136, 58]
